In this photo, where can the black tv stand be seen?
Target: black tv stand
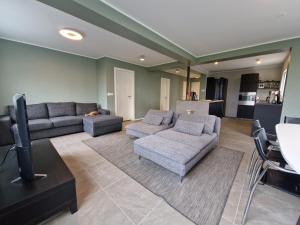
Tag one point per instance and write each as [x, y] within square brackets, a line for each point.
[32, 202]
[37, 176]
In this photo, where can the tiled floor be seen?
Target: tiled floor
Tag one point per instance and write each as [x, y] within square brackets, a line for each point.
[108, 196]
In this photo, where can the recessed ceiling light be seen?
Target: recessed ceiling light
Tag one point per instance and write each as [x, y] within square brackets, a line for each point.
[71, 34]
[177, 71]
[142, 58]
[216, 62]
[258, 61]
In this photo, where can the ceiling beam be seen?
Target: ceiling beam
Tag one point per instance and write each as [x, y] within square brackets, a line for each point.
[104, 16]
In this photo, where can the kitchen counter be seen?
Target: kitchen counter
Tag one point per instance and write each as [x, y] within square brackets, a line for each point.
[203, 107]
[268, 115]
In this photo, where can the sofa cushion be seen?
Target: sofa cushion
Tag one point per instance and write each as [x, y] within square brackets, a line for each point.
[102, 120]
[208, 120]
[145, 128]
[37, 111]
[167, 115]
[198, 142]
[84, 108]
[61, 109]
[178, 152]
[34, 111]
[11, 112]
[189, 127]
[153, 119]
[39, 124]
[64, 121]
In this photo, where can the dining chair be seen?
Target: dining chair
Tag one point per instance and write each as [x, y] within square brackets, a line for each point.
[255, 160]
[288, 119]
[262, 144]
[274, 155]
[256, 126]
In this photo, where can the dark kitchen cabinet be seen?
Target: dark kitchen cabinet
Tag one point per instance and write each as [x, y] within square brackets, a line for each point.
[249, 82]
[216, 89]
[245, 111]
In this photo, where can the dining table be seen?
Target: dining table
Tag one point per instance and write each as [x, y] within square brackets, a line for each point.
[288, 136]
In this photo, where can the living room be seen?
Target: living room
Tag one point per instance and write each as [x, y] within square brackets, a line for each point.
[120, 100]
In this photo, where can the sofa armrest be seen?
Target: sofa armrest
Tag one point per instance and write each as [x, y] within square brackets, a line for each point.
[104, 111]
[6, 137]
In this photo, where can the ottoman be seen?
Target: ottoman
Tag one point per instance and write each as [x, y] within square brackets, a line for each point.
[102, 124]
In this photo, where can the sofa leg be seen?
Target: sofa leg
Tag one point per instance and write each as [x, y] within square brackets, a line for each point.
[180, 179]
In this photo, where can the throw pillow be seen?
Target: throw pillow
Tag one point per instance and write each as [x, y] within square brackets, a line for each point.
[188, 127]
[153, 119]
[208, 120]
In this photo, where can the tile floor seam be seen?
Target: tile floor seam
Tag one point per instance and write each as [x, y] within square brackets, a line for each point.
[151, 210]
[240, 198]
[113, 200]
[116, 181]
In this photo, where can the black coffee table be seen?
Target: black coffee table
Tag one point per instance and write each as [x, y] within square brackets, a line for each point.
[31, 203]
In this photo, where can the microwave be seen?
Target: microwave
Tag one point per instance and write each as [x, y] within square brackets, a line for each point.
[247, 98]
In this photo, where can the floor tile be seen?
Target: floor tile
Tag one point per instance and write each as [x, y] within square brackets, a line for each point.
[132, 198]
[164, 214]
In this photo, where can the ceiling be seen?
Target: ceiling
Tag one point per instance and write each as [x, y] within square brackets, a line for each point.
[32, 22]
[204, 27]
[182, 72]
[242, 63]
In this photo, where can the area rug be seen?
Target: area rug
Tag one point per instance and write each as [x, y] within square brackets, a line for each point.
[203, 193]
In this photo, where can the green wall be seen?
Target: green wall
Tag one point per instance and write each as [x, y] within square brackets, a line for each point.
[147, 85]
[44, 75]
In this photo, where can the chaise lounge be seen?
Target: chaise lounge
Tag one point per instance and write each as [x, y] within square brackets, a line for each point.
[178, 149]
[154, 121]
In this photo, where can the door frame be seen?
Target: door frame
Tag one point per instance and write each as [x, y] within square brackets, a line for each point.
[169, 91]
[133, 91]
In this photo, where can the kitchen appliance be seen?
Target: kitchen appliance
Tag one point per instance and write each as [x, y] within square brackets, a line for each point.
[247, 98]
[216, 89]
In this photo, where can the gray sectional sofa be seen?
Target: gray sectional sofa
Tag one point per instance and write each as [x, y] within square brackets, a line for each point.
[179, 148]
[153, 122]
[55, 119]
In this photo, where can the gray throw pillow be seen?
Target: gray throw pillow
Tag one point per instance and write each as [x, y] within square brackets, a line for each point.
[188, 127]
[153, 119]
[168, 115]
[208, 120]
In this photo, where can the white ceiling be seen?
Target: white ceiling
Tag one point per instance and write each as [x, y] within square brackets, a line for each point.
[182, 72]
[249, 62]
[34, 23]
[204, 27]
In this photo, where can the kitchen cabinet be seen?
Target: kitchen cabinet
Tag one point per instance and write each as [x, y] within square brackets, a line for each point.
[249, 82]
[245, 111]
[268, 116]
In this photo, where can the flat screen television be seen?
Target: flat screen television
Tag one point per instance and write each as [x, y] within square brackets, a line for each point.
[22, 138]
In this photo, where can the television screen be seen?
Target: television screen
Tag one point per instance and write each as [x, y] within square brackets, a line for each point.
[22, 138]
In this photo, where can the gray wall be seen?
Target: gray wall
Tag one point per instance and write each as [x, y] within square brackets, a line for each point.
[44, 75]
[234, 79]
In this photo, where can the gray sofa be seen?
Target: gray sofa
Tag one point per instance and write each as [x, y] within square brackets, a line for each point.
[178, 149]
[55, 119]
[153, 122]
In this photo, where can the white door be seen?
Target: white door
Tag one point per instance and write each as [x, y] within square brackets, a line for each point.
[124, 93]
[184, 90]
[196, 88]
[165, 94]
